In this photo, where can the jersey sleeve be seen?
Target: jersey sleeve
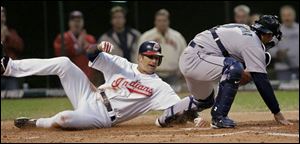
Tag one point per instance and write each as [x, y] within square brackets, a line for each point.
[254, 57]
[108, 64]
[164, 97]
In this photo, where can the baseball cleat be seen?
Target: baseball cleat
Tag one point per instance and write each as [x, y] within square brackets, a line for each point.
[160, 124]
[222, 122]
[24, 122]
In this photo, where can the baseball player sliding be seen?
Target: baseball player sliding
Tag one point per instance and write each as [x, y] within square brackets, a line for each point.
[129, 91]
[220, 55]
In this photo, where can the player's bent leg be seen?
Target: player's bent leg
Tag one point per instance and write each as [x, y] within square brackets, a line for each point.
[201, 67]
[28, 67]
[228, 87]
[72, 120]
[74, 81]
[201, 73]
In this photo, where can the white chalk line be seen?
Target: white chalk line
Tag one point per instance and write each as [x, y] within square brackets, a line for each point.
[220, 134]
[283, 134]
[34, 137]
[240, 132]
[190, 129]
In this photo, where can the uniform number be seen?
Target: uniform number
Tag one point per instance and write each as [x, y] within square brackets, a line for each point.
[243, 29]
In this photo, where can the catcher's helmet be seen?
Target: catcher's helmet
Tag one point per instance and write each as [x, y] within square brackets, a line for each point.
[151, 48]
[268, 24]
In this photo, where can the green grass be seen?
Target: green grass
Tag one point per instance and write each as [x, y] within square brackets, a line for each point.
[252, 101]
[33, 107]
[45, 107]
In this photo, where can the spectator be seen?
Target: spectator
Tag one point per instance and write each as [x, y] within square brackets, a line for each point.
[172, 43]
[241, 14]
[254, 17]
[76, 41]
[287, 50]
[122, 37]
[13, 44]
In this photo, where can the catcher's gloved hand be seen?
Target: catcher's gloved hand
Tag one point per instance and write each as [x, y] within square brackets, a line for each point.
[105, 46]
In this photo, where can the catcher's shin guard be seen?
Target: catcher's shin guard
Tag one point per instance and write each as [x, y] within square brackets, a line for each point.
[228, 87]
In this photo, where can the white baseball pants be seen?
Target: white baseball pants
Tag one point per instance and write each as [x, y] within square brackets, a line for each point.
[89, 112]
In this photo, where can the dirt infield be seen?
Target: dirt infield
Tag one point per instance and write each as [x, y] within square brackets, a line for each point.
[252, 127]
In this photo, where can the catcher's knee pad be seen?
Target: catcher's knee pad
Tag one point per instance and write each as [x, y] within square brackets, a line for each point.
[232, 70]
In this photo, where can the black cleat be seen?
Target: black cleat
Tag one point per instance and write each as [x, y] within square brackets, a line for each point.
[222, 122]
[24, 122]
[160, 124]
[163, 121]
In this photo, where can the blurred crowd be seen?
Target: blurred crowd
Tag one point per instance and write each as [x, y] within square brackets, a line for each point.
[126, 39]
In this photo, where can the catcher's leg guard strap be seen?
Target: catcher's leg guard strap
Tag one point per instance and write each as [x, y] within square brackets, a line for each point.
[206, 103]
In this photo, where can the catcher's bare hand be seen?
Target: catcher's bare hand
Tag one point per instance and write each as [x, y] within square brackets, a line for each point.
[105, 46]
[280, 119]
[246, 78]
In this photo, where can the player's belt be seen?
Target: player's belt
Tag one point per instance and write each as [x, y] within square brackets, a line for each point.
[218, 41]
[107, 105]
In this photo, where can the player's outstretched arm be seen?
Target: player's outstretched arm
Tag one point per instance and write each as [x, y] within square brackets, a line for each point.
[100, 60]
[266, 91]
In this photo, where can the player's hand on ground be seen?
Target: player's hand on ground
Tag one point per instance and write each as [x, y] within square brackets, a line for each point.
[280, 119]
[105, 46]
[200, 122]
